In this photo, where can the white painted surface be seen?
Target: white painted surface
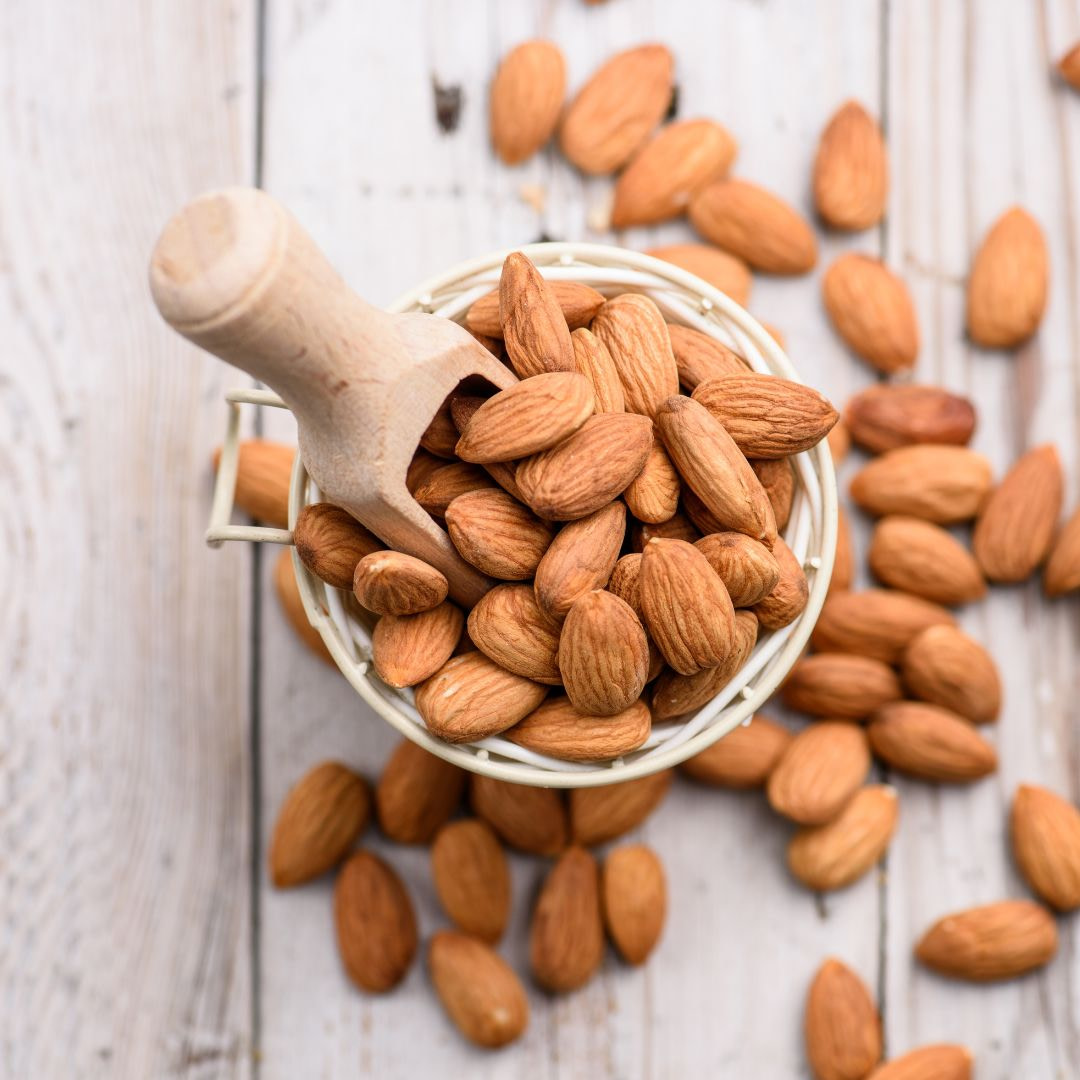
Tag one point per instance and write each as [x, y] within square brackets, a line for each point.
[129, 934]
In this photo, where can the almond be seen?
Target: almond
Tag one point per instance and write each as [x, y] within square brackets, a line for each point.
[526, 99]
[839, 440]
[472, 878]
[603, 654]
[838, 684]
[1006, 293]
[527, 418]
[888, 415]
[1062, 573]
[841, 1024]
[496, 534]
[942, 484]
[440, 435]
[633, 893]
[1017, 522]
[288, 593]
[319, 820]
[686, 606]
[653, 495]
[821, 770]
[717, 268]
[872, 310]
[788, 599]
[560, 729]
[778, 479]
[995, 941]
[677, 527]
[423, 464]
[463, 409]
[929, 742]
[508, 626]
[699, 357]
[530, 819]
[874, 622]
[624, 581]
[946, 667]
[580, 558]
[599, 814]
[594, 362]
[715, 469]
[826, 857]
[1069, 67]
[263, 477]
[330, 542]
[941, 1061]
[588, 470]
[617, 109]
[470, 698]
[407, 649]
[376, 925]
[478, 989]
[925, 560]
[768, 417]
[1046, 845]
[417, 794]
[742, 758]
[755, 225]
[676, 695]
[566, 936]
[747, 568]
[444, 485]
[578, 304]
[393, 583]
[671, 167]
[493, 345]
[843, 573]
[534, 329]
[851, 170]
[636, 336]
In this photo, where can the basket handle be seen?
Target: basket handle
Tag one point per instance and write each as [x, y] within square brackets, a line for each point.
[219, 529]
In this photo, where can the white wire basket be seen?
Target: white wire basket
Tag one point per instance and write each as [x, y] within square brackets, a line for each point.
[810, 532]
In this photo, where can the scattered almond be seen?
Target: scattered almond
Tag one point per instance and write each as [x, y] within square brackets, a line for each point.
[925, 560]
[1069, 67]
[851, 170]
[843, 574]
[330, 542]
[1046, 845]
[1062, 573]
[472, 878]
[839, 440]
[526, 99]
[417, 794]
[841, 685]
[929, 742]
[634, 900]
[407, 649]
[889, 415]
[820, 771]
[743, 758]
[531, 819]
[946, 667]
[599, 814]
[941, 1061]
[715, 267]
[288, 592]
[841, 1024]
[263, 477]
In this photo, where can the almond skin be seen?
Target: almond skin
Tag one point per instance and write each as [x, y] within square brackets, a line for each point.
[841, 1024]
[747, 568]
[851, 170]
[526, 98]
[594, 362]
[699, 357]
[578, 304]
[263, 477]
[624, 581]
[743, 758]
[330, 542]
[1062, 573]
[995, 941]
[479, 991]
[617, 109]
[942, 1061]
[1016, 523]
[942, 484]
[508, 626]
[530, 819]
[444, 485]
[1006, 294]
[679, 527]
[946, 667]
[925, 560]
[821, 770]
[653, 495]
[888, 415]
[497, 534]
[603, 654]
[874, 622]
[671, 167]
[318, 822]
[472, 878]
[599, 814]
[470, 698]
[756, 225]
[534, 329]
[929, 742]
[838, 684]
[872, 310]
[393, 583]
[717, 268]
[715, 469]
[777, 477]
[288, 593]
[441, 434]
[831, 856]
[768, 417]
[563, 731]
[407, 649]
[588, 470]
[1046, 845]
[788, 599]
[633, 893]
[376, 925]
[686, 606]
[417, 794]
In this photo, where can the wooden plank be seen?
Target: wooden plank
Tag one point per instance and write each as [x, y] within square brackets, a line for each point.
[978, 123]
[123, 715]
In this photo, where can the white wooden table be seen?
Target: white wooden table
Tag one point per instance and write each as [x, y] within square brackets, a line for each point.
[155, 706]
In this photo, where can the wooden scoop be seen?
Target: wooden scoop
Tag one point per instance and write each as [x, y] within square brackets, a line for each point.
[235, 273]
